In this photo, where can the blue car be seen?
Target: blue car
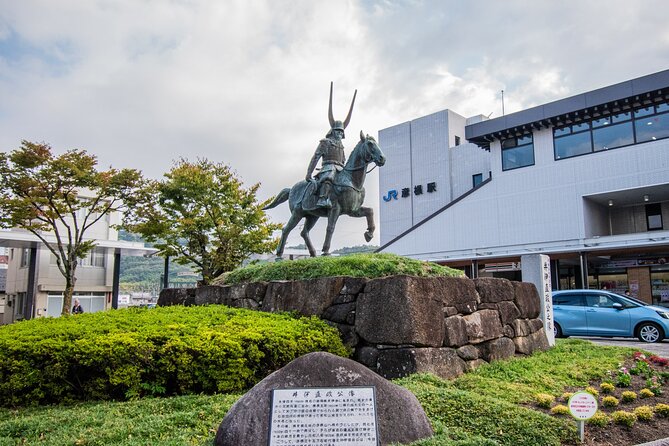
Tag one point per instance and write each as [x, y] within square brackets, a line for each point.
[602, 313]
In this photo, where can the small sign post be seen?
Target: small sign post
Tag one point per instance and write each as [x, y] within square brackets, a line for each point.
[337, 416]
[582, 406]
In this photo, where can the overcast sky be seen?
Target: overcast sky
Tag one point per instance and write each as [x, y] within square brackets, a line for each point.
[142, 83]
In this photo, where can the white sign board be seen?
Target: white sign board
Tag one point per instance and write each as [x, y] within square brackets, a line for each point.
[536, 269]
[333, 416]
[582, 405]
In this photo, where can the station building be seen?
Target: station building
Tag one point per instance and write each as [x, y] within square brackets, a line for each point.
[584, 180]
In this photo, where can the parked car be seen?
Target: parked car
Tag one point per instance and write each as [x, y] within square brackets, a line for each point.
[602, 313]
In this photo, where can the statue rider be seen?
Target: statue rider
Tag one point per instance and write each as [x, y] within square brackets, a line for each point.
[331, 150]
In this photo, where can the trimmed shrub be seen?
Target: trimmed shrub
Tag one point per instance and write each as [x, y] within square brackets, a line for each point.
[646, 393]
[628, 396]
[610, 401]
[607, 387]
[592, 391]
[662, 410]
[560, 409]
[565, 396]
[644, 413]
[625, 418]
[544, 400]
[599, 419]
[356, 265]
[122, 354]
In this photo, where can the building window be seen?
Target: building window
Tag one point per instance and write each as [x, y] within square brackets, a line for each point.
[477, 179]
[654, 216]
[94, 258]
[623, 129]
[25, 258]
[457, 140]
[517, 152]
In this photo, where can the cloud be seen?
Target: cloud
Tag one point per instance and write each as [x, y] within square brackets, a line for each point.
[140, 84]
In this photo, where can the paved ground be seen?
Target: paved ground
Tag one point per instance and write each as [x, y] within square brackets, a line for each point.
[658, 348]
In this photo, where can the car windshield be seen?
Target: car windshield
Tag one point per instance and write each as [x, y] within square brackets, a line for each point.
[632, 300]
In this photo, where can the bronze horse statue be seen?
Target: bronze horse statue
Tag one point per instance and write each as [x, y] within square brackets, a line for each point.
[347, 197]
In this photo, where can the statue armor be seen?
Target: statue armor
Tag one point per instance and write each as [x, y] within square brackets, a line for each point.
[331, 151]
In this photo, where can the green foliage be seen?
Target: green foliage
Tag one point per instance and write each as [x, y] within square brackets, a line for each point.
[356, 265]
[662, 410]
[625, 418]
[644, 413]
[201, 214]
[144, 273]
[628, 396]
[63, 196]
[560, 409]
[544, 400]
[623, 378]
[610, 401]
[163, 351]
[607, 387]
[646, 393]
[571, 363]
[177, 421]
[599, 419]
[483, 415]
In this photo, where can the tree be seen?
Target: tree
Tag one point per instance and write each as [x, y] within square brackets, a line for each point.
[62, 196]
[201, 214]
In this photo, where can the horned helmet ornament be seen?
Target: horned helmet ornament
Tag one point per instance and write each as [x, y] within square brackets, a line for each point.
[339, 125]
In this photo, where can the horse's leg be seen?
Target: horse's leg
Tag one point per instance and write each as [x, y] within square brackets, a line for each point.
[333, 215]
[294, 219]
[369, 214]
[309, 223]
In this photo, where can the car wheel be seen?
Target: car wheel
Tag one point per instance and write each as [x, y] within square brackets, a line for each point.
[649, 332]
[557, 331]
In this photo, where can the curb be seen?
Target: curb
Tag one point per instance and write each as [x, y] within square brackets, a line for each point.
[662, 442]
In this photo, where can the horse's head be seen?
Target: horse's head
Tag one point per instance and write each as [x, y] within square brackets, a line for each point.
[371, 150]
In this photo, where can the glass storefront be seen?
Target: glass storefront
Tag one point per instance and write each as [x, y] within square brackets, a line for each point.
[659, 283]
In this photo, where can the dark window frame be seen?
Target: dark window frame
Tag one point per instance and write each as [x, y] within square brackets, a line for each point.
[516, 146]
[475, 177]
[568, 130]
[654, 210]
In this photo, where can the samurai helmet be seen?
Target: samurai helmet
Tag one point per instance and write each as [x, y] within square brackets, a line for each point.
[339, 125]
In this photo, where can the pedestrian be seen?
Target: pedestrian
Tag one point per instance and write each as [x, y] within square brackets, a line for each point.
[76, 309]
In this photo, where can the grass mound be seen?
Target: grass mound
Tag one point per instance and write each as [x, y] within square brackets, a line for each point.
[482, 408]
[173, 350]
[356, 265]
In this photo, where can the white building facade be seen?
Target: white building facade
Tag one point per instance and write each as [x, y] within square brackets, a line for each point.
[34, 285]
[584, 180]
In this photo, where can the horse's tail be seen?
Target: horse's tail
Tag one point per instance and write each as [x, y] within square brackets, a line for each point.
[280, 198]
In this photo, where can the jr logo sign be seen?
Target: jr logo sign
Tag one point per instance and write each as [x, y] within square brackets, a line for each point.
[392, 195]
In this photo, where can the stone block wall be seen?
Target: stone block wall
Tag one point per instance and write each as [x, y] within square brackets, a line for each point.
[400, 325]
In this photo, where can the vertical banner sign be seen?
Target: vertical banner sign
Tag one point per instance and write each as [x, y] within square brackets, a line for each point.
[335, 416]
[536, 269]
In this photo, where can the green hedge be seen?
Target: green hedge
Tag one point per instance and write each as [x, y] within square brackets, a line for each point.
[356, 265]
[129, 353]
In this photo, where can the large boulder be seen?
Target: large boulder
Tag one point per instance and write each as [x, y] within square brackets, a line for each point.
[527, 299]
[501, 348]
[400, 417]
[455, 334]
[483, 326]
[398, 362]
[176, 296]
[456, 292]
[400, 310]
[494, 290]
[526, 345]
[508, 312]
[307, 297]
